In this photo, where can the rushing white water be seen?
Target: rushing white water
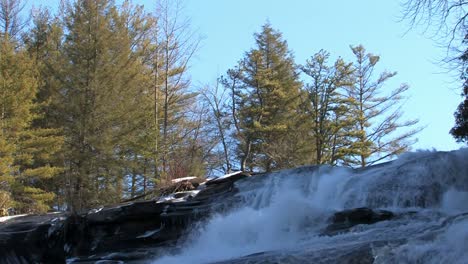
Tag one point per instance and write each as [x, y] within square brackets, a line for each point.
[283, 213]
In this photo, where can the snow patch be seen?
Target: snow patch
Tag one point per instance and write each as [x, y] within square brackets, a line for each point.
[178, 196]
[229, 175]
[95, 210]
[183, 179]
[6, 218]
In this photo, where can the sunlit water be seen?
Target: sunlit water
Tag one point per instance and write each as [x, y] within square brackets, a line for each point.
[284, 213]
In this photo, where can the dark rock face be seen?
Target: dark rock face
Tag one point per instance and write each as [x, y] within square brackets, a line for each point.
[343, 220]
[34, 239]
[131, 232]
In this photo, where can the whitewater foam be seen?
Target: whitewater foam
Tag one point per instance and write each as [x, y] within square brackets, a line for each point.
[283, 210]
[444, 245]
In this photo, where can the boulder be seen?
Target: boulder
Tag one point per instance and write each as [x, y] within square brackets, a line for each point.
[343, 220]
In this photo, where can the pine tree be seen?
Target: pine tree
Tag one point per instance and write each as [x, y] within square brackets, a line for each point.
[267, 98]
[43, 42]
[27, 151]
[101, 84]
[377, 116]
[460, 129]
[36, 158]
[14, 116]
[327, 107]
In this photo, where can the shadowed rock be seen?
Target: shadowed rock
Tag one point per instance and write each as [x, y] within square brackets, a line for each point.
[341, 221]
[34, 239]
[128, 232]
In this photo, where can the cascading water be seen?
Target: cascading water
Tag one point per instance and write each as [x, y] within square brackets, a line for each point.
[283, 214]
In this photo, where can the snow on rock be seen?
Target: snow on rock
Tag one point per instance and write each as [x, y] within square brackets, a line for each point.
[6, 218]
[182, 196]
[183, 179]
[178, 196]
[230, 175]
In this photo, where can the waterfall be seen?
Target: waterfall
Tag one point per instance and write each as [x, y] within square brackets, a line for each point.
[283, 214]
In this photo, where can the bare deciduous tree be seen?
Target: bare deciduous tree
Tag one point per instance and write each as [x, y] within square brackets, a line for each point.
[451, 17]
[217, 100]
[11, 23]
[177, 44]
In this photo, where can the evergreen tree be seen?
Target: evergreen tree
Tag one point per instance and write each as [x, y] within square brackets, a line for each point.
[26, 151]
[43, 43]
[267, 98]
[16, 99]
[101, 84]
[327, 107]
[377, 116]
[36, 158]
[5, 203]
[460, 129]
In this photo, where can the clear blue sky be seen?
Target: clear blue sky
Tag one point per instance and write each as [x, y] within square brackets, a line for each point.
[227, 27]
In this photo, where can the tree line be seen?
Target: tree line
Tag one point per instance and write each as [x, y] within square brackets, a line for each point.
[96, 106]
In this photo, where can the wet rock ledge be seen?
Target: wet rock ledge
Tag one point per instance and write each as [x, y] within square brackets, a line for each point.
[131, 231]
